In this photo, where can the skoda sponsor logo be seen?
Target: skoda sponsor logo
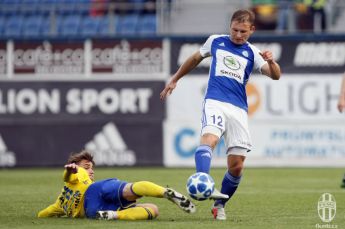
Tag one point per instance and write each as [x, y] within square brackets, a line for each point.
[231, 63]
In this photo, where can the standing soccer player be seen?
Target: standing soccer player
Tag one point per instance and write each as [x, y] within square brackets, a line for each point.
[341, 101]
[341, 108]
[225, 106]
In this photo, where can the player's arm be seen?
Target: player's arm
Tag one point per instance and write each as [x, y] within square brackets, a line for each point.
[70, 173]
[341, 101]
[51, 211]
[271, 68]
[184, 69]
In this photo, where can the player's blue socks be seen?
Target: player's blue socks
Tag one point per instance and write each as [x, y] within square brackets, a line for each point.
[203, 155]
[229, 186]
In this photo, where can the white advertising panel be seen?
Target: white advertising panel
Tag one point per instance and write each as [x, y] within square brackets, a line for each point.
[274, 144]
[293, 122]
[180, 141]
[297, 144]
[185, 103]
[309, 98]
[293, 97]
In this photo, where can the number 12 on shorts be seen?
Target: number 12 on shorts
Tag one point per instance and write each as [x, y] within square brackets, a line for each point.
[217, 120]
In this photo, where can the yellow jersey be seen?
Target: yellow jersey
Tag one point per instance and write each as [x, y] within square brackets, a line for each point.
[70, 202]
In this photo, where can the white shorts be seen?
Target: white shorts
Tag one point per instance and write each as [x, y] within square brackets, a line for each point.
[229, 121]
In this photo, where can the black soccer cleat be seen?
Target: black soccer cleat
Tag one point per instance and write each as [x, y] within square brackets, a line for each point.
[180, 200]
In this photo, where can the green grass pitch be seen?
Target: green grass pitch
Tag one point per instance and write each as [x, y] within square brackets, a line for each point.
[266, 198]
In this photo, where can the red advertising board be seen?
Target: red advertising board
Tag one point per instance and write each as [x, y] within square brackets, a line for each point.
[48, 57]
[127, 56]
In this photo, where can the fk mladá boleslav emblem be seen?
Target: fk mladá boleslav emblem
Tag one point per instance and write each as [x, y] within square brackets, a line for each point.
[327, 207]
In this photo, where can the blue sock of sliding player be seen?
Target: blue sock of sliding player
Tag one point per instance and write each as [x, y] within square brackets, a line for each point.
[203, 155]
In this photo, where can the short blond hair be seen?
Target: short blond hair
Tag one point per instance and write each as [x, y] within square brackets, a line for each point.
[243, 16]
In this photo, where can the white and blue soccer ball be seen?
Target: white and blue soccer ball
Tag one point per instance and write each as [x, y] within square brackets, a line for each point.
[200, 186]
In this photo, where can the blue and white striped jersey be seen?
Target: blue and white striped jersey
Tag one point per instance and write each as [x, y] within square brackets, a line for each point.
[230, 68]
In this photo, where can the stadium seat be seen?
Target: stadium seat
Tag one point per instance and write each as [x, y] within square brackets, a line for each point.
[73, 6]
[147, 25]
[69, 25]
[32, 26]
[90, 26]
[65, 7]
[2, 23]
[105, 28]
[47, 27]
[46, 7]
[13, 26]
[9, 7]
[82, 6]
[127, 24]
[29, 6]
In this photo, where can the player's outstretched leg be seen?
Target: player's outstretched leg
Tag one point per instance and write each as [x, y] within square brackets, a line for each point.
[146, 188]
[140, 212]
[180, 200]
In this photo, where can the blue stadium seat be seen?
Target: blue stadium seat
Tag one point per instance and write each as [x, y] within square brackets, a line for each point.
[90, 25]
[2, 23]
[104, 26]
[65, 7]
[70, 25]
[13, 26]
[32, 26]
[73, 6]
[9, 7]
[59, 19]
[82, 6]
[29, 6]
[127, 24]
[47, 6]
[46, 26]
[147, 25]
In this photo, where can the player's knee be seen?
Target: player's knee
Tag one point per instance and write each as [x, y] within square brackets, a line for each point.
[154, 210]
[210, 139]
[127, 193]
[236, 169]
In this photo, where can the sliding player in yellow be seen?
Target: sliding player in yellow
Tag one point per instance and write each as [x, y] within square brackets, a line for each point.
[107, 199]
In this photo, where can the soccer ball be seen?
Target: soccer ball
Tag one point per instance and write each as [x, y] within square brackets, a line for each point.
[200, 186]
